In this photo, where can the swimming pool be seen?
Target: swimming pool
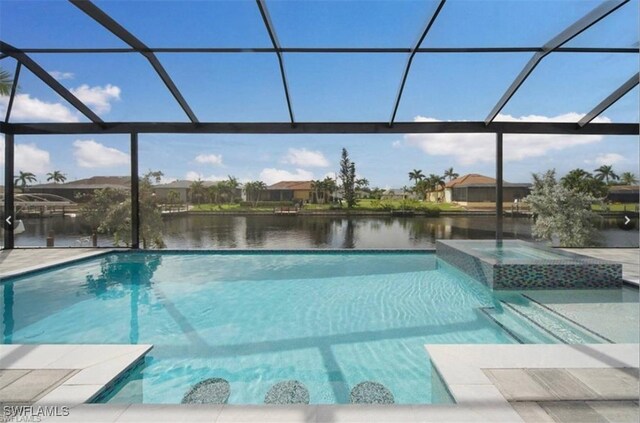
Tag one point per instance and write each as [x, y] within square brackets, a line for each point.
[329, 320]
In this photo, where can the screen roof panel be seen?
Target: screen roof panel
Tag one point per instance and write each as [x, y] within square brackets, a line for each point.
[190, 23]
[230, 87]
[344, 88]
[457, 86]
[50, 23]
[365, 23]
[620, 29]
[500, 23]
[571, 83]
[105, 84]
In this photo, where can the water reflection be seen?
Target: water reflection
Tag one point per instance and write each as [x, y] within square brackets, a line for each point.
[299, 232]
[121, 274]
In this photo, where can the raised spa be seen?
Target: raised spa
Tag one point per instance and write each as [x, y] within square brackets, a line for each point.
[514, 264]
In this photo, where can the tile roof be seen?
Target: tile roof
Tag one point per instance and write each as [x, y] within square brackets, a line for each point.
[477, 180]
[291, 185]
[92, 182]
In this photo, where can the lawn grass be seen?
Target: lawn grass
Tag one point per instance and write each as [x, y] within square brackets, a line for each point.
[617, 207]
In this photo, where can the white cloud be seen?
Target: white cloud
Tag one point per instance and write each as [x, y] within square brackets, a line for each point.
[214, 159]
[62, 75]
[28, 109]
[92, 154]
[305, 158]
[396, 144]
[606, 159]
[194, 176]
[271, 176]
[99, 98]
[477, 148]
[28, 158]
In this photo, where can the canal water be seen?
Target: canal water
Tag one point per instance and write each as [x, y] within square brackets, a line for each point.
[300, 232]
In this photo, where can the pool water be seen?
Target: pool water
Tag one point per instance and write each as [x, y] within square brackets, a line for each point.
[328, 320]
[520, 253]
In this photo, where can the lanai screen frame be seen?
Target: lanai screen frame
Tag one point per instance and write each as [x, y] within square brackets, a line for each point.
[98, 126]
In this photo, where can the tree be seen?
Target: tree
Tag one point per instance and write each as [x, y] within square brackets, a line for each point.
[6, 81]
[348, 179]
[582, 181]
[230, 187]
[109, 211]
[362, 186]
[416, 175]
[376, 193]
[56, 176]
[628, 178]
[562, 212]
[198, 191]
[316, 187]
[214, 193]
[253, 190]
[435, 181]
[173, 198]
[421, 188]
[329, 187]
[24, 179]
[450, 174]
[606, 173]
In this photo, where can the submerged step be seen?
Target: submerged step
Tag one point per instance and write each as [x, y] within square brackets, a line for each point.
[553, 324]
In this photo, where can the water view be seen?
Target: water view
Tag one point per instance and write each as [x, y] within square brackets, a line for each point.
[299, 232]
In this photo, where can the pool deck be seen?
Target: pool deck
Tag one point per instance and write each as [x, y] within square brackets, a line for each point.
[490, 383]
[20, 261]
[68, 374]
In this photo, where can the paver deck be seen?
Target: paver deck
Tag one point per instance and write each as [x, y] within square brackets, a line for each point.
[62, 374]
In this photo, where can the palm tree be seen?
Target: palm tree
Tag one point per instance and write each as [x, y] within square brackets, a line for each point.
[24, 179]
[606, 173]
[628, 178]
[229, 187]
[580, 180]
[254, 189]
[416, 175]
[435, 181]
[316, 186]
[5, 82]
[56, 176]
[449, 173]
[214, 193]
[198, 191]
[329, 186]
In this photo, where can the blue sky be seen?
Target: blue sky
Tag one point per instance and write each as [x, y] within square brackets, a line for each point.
[328, 87]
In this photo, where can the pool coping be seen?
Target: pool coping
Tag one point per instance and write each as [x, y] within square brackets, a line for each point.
[95, 366]
[93, 253]
[85, 256]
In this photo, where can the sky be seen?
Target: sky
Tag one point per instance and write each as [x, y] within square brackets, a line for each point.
[326, 87]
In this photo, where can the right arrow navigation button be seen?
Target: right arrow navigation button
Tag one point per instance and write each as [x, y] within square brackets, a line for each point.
[626, 223]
